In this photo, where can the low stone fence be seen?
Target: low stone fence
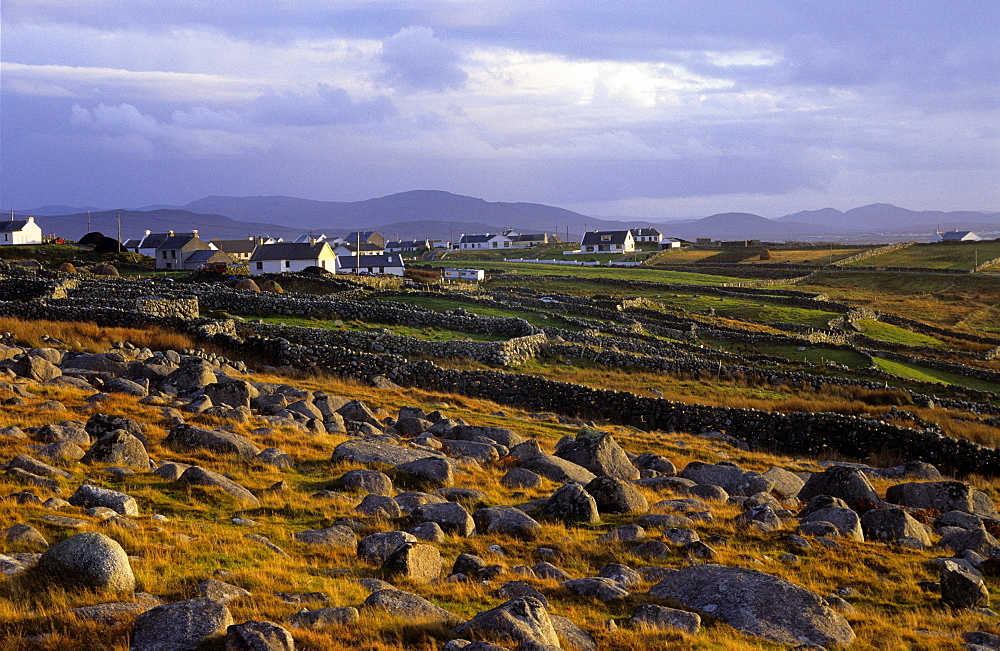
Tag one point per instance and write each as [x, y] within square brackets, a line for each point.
[870, 253]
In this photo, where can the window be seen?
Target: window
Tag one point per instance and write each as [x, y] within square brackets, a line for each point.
[495, 245]
[288, 264]
[605, 238]
[260, 266]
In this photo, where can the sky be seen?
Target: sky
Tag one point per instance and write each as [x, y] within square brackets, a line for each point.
[654, 109]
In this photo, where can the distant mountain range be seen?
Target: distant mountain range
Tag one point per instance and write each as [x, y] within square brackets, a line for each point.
[443, 215]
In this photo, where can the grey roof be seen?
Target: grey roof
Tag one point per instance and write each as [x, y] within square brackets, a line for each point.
[365, 246]
[13, 226]
[235, 246]
[597, 237]
[404, 243]
[354, 261]
[288, 251]
[956, 235]
[530, 237]
[644, 232]
[206, 255]
[475, 239]
[132, 244]
[153, 240]
[178, 242]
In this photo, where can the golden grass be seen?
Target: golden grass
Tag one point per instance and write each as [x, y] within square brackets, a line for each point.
[92, 338]
[199, 538]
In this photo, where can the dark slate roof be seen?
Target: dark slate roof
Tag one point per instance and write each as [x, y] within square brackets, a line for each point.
[177, 242]
[365, 246]
[206, 255]
[387, 260]
[596, 237]
[475, 239]
[645, 232]
[235, 246]
[405, 243]
[288, 251]
[132, 244]
[153, 240]
[13, 226]
[530, 237]
[955, 235]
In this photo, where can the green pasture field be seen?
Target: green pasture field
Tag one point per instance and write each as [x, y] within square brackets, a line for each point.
[621, 273]
[897, 334]
[443, 304]
[924, 374]
[964, 255]
[814, 354]
[424, 333]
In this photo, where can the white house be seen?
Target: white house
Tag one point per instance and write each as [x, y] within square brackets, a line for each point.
[607, 242]
[670, 243]
[388, 263]
[485, 241]
[958, 236]
[292, 256]
[475, 275]
[649, 235]
[407, 245]
[351, 248]
[20, 231]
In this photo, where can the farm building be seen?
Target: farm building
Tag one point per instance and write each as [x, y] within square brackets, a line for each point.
[957, 236]
[177, 252]
[649, 235]
[608, 242]
[388, 263]
[484, 241]
[20, 231]
[292, 256]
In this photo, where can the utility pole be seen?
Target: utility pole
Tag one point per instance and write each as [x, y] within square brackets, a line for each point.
[88, 221]
[119, 231]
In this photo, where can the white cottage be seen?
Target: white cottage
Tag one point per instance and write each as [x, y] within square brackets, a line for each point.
[20, 231]
[388, 263]
[292, 256]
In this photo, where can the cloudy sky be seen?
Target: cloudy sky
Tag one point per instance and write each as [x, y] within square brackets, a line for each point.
[650, 108]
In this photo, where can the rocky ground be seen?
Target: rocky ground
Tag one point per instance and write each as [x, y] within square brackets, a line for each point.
[165, 500]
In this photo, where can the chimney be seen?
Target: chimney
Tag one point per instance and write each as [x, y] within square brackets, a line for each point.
[148, 232]
[194, 233]
[170, 233]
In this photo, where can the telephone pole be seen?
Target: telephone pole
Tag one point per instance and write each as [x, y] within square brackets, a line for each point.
[119, 231]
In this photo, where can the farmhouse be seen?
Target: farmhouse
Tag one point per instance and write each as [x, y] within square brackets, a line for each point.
[650, 235]
[484, 241]
[388, 263]
[407, 245]
[958, 236]
[148, 243]
[240, 250]
[608, 242]
[283, 257]
[20, 231]
[351, 248]
[176, 252]
[527, 240]
[372, 237]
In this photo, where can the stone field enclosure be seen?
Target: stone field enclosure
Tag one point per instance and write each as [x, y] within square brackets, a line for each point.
[750, 458]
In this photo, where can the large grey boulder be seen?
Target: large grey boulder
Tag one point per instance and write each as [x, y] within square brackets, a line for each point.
[196, 476]
[733, 479]
[557, 469]
[372, 482]
[571, 503]
[501, 435]
[614, 495]
[323, 617]
[943, 496]
[597, 587]
[786, 485]
[599, 453]
[35, 368]
[757, 604]
[450, 516]
[119, 448]
[234, 393]
[337, 536]
[91, 560]
[180, 626]
[193, 375]
[847, 483]
[571, 635]
[100, 425]
[962, 586]
[891, 525]
[377, 547]
[88, 496]
[36, 467]
[366, 451]
[258, 636]
[418, 562]
[847, 522]
[190, 437]
[507, 521]
[427, 471]
[978, 540]
[523, 620]
[408, 606]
